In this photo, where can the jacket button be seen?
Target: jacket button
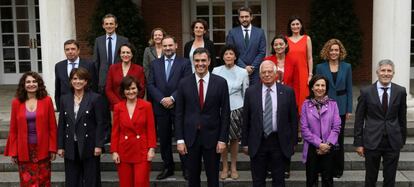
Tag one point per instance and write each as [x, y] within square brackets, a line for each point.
[126, 137]
[87, 112]
[84, 124]
[86, 135]
[65, 113]
[67, 136]
[67, 125]
[138, 137]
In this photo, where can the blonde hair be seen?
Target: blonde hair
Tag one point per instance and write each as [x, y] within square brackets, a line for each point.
[151, 40]
[325, 50]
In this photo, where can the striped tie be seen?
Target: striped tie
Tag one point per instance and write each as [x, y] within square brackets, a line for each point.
[267, 118]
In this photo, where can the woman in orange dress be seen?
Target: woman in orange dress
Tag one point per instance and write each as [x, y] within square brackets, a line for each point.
[300, 50]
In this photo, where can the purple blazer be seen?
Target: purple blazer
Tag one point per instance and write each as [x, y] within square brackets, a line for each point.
[327, 123]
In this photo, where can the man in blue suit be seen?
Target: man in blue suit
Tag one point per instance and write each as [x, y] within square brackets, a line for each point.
[164, 76]
[250, 41]
[269, 130]
[202, 119]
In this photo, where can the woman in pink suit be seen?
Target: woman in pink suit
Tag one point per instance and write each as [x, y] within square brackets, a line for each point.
[133, 138]
[120, 70]
[321, 125]
[32, 136]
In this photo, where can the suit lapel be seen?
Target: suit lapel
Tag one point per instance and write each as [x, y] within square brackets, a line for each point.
[194, 90]
[279, 97]
[329, 75]
[83, 106]
[153, 51]
[374, 93]
[173, 67]
[393, 96]
[340, 73]
[161, 68]
[70, 106]
[260, 105]
[209, 90]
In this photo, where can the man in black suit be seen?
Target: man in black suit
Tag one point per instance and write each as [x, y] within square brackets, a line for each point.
[165, 74]
[269, 130]
[63, 68]
[380, 128]
[202, 119]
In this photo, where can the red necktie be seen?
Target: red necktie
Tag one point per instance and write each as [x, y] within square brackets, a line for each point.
[201, 93]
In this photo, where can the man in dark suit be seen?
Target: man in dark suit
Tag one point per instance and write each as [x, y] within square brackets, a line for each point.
[63, 68]
[380, 128]
[269, 130]
[250, 41]
[165, 74]
[202, 119]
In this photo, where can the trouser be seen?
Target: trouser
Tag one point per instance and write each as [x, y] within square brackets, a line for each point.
[316, 164]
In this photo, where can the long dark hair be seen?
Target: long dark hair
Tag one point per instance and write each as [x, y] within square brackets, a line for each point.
[291, 19]
[21, 92]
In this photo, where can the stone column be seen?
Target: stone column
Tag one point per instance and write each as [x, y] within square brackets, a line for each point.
[391, 40]
[57, 24]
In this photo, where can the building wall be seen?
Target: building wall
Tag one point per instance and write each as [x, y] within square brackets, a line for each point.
[168, 16]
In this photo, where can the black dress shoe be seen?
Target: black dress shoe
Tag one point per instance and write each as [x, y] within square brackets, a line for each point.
[337, 175]
[185, 174]
[287, 175]
[165, 173]
[269, 175]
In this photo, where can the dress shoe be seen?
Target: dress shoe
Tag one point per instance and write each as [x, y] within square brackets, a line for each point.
[185, 174]
[287, 175]
[234, 175]
[165, 173]
[337, 175]
[269, 175]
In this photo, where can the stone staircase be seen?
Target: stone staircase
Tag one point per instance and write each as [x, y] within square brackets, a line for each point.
[353, 175]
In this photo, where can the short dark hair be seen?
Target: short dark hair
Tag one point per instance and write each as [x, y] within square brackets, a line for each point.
[246, 9]
[132, 48]
[110, 16]
[291, 19]
[202, 50]
[126, 83]
[82, 74]
[71, 41]
[203, 22]
[280, 36]
[229, 48]
[21, 93]
[313, 81]
[171, 37]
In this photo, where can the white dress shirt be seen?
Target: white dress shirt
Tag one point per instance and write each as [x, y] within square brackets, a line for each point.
[69, 69]
[249, 28]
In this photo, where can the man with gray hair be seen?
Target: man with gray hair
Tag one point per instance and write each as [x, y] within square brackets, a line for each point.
[380, 128]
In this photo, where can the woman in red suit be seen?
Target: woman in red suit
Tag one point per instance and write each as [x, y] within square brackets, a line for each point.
[120, 70]
[133, 138]
[32, 136]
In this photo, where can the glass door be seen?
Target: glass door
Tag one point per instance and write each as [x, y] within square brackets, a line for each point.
[20, 39]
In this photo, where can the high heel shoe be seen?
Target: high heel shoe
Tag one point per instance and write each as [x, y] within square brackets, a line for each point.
[234, 175]
[224, 175]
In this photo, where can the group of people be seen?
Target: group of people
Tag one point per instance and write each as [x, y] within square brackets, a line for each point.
[264, 104]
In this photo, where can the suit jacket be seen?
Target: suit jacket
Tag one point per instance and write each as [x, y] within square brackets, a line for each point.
[62, 83]
[287, 122]
[319, 127]
[254, 53]
[150, 54]
[114, 78]
[17, 142]
[100, 57]
[159, 87]
[89, 125]
[371, 121]
[132, 137]
[213, 119]
[341, 90]
[209, 45]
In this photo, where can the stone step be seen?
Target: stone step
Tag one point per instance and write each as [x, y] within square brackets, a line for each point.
[352, 162]
[110, 179]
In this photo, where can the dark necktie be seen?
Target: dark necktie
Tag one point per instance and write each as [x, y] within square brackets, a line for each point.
[72, 66]
[385, 99]
[109, 50]
[201, 92]
[267, 117]
[246, 37]
[167, 73]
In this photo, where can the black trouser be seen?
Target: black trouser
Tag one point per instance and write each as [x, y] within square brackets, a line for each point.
[390, 163]
[318, 164]
[338, 154]
[107, 113]
[211, 158]
[82, 173]
[165, 134]
[269, 153]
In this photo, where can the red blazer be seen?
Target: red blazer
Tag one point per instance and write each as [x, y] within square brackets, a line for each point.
[132, 138]
[114, 78]
[17, 142]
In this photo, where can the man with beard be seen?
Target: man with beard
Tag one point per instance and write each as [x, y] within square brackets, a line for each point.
[250, 41]
[202, 119]
[164, 76]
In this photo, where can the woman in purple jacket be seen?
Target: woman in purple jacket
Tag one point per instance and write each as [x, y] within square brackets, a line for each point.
[321, 125]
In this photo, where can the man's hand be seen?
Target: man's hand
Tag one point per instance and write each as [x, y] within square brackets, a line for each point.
[98, 151]
[245, 150]
[167, 102]
[182, 149]
[249, 69]
[221, 146]
[360, 150]
[61, 152]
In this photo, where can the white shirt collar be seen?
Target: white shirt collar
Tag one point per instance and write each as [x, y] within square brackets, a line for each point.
[172, 57]
[264, 88]
[206, 78]
[248, 28]
[76, 61]
[380, 86]
[113, 36]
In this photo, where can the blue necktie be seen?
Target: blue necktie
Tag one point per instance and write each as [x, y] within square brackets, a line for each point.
[167, 73]
[267, 117]
[109, 50]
